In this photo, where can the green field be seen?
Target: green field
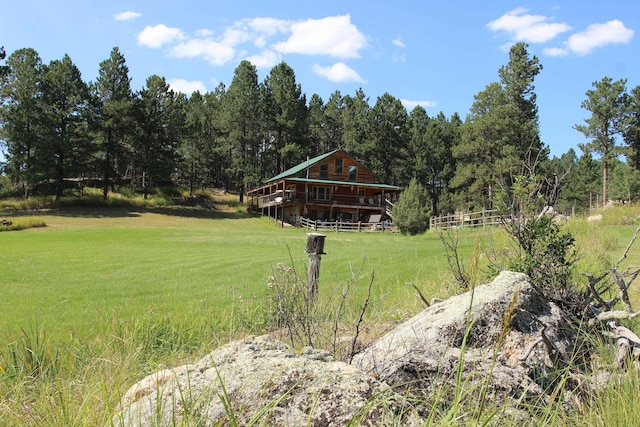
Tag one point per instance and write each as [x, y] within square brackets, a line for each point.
[89, 266]
[101, 297]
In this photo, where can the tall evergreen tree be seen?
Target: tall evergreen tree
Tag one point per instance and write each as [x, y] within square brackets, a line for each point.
[64, 148]
[243, 114]
[480, 152]
[316, 122]
[191, 148]
[333, 112]
[355, 118]
[160, 119]
[624, 184]
[386, 147]
[500, 139]
[286, 114]
[20, 112]
[4, 69]
[114, 122]
[582, 180]
[517, 78]
[607, 103]
[430, 145]
[632, 128]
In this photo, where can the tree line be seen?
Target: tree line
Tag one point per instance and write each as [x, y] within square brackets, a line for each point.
[57, 130]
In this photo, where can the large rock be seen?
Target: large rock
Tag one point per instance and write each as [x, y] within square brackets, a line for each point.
[260, 378]
[488, 340]
[503, 343]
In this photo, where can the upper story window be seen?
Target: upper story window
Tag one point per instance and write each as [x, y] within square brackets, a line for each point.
[324, 171]
[320, 193]
[338, 166]
[353, 173]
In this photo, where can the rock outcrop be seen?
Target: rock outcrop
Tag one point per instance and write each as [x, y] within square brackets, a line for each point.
[261, 381]
[501, 342]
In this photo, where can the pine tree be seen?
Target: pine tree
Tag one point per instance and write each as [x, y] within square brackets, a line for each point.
[411, 214]
[114, 121]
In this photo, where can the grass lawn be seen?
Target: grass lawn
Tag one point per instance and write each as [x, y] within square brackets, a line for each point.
[118, 292]
[89, 266]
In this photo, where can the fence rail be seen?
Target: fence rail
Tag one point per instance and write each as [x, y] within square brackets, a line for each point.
[318, 225]
[466, 219]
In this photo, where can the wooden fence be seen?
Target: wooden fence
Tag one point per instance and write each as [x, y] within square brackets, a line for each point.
[466, 219]
[319, 225]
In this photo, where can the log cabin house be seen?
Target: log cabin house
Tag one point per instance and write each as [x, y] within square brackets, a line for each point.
[330, 187]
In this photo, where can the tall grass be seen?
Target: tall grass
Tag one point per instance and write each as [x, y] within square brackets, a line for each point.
[22, 223]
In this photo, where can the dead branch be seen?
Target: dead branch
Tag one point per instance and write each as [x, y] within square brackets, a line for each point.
[533, 345]
[622, 281]
[606, 316]
[626, 252]
[592, 281]
[628, 342]
[363, 310]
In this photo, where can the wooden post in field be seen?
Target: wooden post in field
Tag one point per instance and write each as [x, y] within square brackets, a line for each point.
[315, 249]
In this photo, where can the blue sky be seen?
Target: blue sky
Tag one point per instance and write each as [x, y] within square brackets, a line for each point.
[438, 54]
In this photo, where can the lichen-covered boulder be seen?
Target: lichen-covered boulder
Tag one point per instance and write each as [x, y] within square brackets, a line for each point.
[262, 379]
[501, 340]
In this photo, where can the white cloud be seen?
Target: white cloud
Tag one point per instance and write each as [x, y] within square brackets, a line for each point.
[187, 87]
[126, 16]
[204, 32]
[338, 72]
[156, 36]
[335, 36]
[235, 36]
[263, 41]
[522, 26]
[598, 35]
[268, 26]
[555, 51]
[212, 51]
[506, 47]
[410, 105]
[398, 42]
[265, 59]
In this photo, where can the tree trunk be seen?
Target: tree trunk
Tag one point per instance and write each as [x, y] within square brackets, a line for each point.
[605, 181]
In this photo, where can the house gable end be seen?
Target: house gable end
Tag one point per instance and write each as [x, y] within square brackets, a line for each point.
[336, 165]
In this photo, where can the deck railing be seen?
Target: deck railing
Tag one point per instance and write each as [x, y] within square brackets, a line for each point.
[319, 225]
[280, 196]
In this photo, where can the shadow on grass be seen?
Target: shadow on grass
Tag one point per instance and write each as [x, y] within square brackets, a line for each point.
[206, 213]
[131, 212]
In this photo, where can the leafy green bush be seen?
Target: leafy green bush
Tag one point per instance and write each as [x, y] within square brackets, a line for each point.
[411, 214]
[546, 254]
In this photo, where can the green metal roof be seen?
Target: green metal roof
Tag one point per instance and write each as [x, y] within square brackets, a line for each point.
[302, 166]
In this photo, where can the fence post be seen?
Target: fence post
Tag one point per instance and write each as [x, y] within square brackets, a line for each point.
[315, 249]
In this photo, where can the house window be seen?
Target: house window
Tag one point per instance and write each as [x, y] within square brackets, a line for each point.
[353, 173]
[320, 193]
[360, 193]
[324, 169]
[338, 166]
